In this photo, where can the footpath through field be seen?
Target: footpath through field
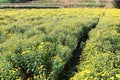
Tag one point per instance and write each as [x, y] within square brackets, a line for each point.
[71, 66]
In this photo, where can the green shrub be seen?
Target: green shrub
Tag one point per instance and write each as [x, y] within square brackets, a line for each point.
[101, 55]
[4, 1]
[38, 43]
[13, 1]
[116, 3]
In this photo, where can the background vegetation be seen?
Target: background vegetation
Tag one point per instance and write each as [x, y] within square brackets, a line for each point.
[116, 3]
[53, 3]
[13, 1]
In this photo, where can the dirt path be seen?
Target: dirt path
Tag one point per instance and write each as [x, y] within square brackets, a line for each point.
[70, 68]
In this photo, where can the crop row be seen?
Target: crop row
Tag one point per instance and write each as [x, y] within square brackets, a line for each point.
[100, 59]
[36, 44]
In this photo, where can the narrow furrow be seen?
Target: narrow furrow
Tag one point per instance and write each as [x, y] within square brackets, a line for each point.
[70, 68]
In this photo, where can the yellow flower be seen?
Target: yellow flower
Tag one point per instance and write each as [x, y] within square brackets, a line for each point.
[86, 79]
[118, 76]
[84, 72]
[42, 43]
[112, 78]
[24, 52]
[87, 71]
[41, 66]
[28, 79]
[40, 47]
[103, 74]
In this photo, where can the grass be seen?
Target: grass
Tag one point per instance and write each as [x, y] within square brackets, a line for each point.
[47, 5]
[50, 4]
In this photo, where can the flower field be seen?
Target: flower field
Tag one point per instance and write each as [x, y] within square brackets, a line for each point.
[100, 59]
[36, 44]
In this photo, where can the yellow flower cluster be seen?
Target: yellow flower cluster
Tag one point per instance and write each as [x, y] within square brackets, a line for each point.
[49, 36]
[25, 52]
[101, 53]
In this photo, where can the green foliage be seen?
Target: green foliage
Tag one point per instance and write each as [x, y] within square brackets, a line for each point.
[101, 55]
[116, 3]
[38, 43]
[4, 1]
[13, 1]
[87, 5]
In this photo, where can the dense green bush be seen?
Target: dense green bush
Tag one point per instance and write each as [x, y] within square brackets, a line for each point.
[13, 1]
[37, 44]
[116, 3]
[4, 1]
[101, 56]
